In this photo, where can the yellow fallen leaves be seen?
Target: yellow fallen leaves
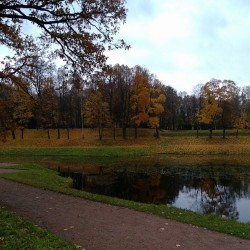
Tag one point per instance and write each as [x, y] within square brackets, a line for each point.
[70, 227]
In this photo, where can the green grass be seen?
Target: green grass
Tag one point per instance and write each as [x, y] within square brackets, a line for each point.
[48, 179]
[17, 233]
[106, 154]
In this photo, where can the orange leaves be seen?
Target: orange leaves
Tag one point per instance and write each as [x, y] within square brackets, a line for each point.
[214, 93]
[147, 101]
[156, 106]
[140, 99]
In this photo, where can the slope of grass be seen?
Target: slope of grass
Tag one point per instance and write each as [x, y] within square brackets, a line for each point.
[17, 233]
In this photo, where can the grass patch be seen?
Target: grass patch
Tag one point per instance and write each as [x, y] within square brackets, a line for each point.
[93, 154]
[17, 233]
[47, 179]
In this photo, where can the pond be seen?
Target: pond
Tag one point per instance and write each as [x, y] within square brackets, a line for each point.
[217, 186]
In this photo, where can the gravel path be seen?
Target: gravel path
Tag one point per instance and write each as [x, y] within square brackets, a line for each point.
[100, 226]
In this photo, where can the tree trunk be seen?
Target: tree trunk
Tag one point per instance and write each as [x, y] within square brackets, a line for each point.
[224, 133]
[197, 132]
[22, 132]
[124, 133]
[13, 134]
[48, 133]
[114, 133]
[237, 133]
[210, 133]
[157, 133]
[100, 133]
[82, 134]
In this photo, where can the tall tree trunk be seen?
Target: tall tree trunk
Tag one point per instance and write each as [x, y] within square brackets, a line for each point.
[124, 133]
[13, 134]
[157, 132]
[48, 133]
[197, 132]
[22, 132]
[237, 133]
[224, 133]
[114, 133]
[100, 129]
[82, 134]
[210, 132]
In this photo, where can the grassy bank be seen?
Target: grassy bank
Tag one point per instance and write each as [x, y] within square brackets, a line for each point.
[47, 179]
[17, 233]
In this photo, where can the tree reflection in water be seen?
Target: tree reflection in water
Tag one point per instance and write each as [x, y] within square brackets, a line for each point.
[206, 189]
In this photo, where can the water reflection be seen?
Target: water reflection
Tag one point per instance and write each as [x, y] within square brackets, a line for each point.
[222, 189]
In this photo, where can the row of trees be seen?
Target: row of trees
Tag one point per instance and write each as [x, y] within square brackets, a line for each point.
[57, 98]
[119, 97]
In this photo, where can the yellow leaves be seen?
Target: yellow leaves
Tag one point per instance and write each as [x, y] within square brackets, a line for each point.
[242, 121]
[147, 102]
[79, 247]
[214, 93]
[154, 122]
[140, 99]
[96, 110]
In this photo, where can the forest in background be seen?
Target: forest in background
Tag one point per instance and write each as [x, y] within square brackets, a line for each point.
[119, 97]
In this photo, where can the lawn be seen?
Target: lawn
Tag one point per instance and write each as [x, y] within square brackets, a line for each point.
[35, 146]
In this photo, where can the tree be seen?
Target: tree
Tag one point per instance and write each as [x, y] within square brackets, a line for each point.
[157, 99]
[210, 104]
[23, 109]
[6, 112]
[171, 108]
[241, 122]
[218, 99]
[96, 112]
[121, 83]
[79, 30]
[49, 107]
[140, 98]
[228, 103]
[189, 105]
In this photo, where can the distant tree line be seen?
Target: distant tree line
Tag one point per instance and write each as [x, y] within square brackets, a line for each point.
[118, 97]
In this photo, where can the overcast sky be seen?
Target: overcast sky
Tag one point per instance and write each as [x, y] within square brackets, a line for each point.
[187, 42]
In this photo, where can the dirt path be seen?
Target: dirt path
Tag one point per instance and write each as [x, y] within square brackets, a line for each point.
[100, 226]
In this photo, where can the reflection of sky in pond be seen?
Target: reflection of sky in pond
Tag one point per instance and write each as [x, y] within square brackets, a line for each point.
[243, 207]
[194, 200]
[185, 201]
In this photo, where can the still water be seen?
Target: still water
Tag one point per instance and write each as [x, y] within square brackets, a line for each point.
[211, 187]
